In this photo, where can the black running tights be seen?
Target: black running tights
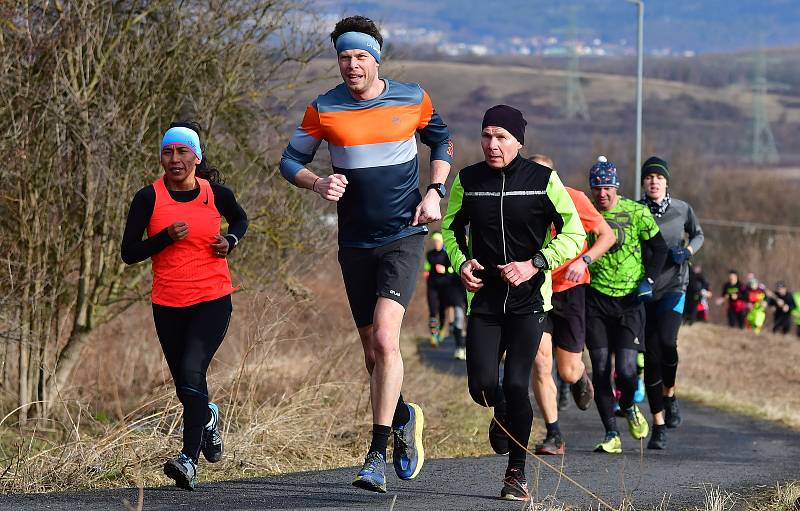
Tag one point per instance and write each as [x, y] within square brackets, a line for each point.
[437, 299]
[189, 337]
[488, 337]
[602, 375]
[661, 341]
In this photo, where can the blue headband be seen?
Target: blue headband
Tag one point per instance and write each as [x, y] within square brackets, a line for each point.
[185, 137]
[358, 41]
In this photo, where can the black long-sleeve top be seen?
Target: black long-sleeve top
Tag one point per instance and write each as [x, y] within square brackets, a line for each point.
[134, 249]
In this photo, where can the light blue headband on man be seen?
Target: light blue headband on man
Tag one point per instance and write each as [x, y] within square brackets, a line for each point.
[185, 137]
[358, 41]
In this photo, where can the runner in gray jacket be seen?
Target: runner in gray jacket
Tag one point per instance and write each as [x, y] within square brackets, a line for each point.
[684, 237]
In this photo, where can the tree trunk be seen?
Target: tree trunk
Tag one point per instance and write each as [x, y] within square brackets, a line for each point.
[83, 311]
[23, 398]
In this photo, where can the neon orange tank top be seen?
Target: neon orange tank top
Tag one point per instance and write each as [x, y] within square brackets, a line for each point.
[187, 272]
[590, 218]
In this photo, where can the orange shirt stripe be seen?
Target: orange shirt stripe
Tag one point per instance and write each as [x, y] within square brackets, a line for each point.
[357, 127]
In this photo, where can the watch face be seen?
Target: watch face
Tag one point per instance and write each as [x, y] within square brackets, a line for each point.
[539, 261]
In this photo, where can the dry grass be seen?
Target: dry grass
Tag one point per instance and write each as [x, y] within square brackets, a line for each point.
[740, 371]
[289, 379]
[783, 497]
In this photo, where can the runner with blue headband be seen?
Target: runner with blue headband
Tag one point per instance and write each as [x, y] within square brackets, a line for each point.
[176, 222]
[370, 125]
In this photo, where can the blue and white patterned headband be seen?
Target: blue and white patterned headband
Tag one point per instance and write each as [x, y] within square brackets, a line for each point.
[185, 137]
[358, 41]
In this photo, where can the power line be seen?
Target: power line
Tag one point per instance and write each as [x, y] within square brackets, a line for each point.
[576, 106]
[751, 226]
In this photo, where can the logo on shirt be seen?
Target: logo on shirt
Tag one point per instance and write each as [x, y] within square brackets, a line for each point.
[396, 119]
[395, 293]
[451, 148]
[205, 202]
[618, 224]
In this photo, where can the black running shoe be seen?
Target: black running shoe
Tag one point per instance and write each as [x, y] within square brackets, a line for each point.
[212, 437]
[672, 415]
[498, 438]
[658, 439]
[515, 487]
[583, 391]
[552, 444]
[183, 471]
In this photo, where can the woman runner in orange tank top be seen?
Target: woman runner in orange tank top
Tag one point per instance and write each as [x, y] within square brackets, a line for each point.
[181, 213]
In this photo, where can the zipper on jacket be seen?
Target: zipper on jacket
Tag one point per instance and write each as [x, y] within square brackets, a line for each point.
[503, 232]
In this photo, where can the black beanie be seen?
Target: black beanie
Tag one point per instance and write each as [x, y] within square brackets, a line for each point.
[508, 118]
[655, 165]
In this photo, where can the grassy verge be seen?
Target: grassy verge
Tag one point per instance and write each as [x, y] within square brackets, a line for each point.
[781, 497]
[290, 382]
[736, 370]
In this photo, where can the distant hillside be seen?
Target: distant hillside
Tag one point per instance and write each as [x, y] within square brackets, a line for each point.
[687, 124]
[699, 25]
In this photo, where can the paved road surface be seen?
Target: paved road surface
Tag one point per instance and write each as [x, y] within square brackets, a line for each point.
[710, 448]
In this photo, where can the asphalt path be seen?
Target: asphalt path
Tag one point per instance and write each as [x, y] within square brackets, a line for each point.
[710, 449]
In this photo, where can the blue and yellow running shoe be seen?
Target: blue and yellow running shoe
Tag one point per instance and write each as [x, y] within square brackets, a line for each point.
[409, 454]
[372, 476]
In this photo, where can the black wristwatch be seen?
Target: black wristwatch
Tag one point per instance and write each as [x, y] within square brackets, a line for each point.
[586, 259]
[439, 187]
[539, 261]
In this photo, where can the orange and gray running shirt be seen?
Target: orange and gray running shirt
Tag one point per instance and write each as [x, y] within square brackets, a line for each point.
[372, 142]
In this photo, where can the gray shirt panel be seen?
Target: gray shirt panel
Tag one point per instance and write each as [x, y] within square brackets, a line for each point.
[679, 227]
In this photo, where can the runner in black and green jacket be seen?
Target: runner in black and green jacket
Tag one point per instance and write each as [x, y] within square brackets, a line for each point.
[509, 204]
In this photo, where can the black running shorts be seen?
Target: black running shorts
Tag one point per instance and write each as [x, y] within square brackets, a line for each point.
[568, 319]
[390, 271]
[614, 322]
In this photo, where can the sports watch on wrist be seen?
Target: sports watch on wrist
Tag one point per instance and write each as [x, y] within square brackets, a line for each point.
[539, 261]
[586, 259]
[439, 187]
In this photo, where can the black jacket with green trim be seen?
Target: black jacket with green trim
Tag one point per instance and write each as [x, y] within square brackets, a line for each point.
[509, 212]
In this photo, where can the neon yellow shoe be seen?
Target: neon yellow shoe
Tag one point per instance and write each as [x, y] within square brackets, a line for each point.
[612, 444]
[637, 424]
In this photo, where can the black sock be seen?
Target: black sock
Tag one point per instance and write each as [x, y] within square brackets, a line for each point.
[401, 413]
[552, 428]
[380, 438]
[458, 338]
[657, 427]
[500, 407]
